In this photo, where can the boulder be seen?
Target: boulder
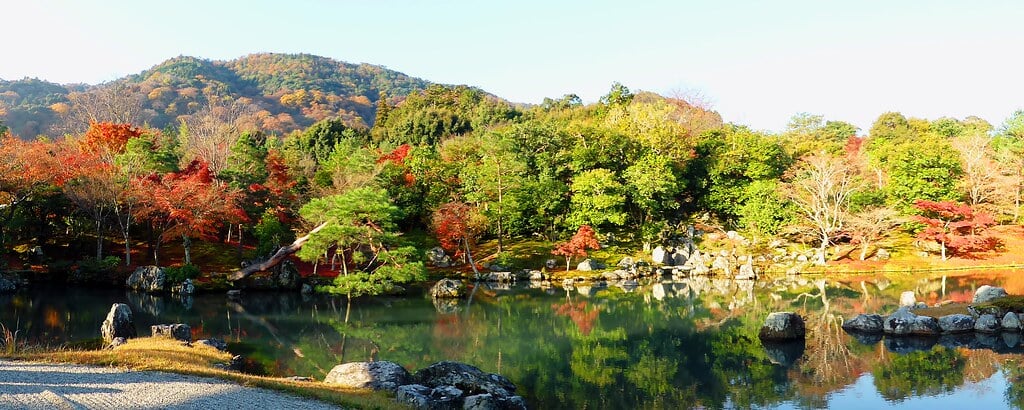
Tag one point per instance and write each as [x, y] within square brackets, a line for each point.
[416, 396]
[905, 323]
[119, 323]
[118, 341]
[1011, 321]
[626, 263]
[501, 277]
[214, 343]
[782, 326]
[658, 256]
[446, 397]
[882, 254]
[177, 331]
[746, 271]
[184, 288]
[589, 265]
[723, 264]
[908, 298]
[7, 286]
[958, 323]
[536, 275]
[550, 263]
[306, 289]
[987, 293]
[369, 375]
[437, 257]
[448, 288]
[147, 279]
[864, 324]
[469, 379]
[986, 324]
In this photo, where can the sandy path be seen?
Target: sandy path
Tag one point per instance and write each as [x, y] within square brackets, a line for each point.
[67, 386]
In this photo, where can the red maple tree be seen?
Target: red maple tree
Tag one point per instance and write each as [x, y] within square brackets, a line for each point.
[189, 203]
[454, 227]
[585, 238]
[955, 226]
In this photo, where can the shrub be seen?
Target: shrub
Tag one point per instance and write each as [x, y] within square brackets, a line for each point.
[176, 274]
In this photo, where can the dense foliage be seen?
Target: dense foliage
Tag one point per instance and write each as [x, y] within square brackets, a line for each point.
[463, 165]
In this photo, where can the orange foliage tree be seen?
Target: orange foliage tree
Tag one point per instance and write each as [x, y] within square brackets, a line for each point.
[955, 226]
[26, 168]
[189, 203]
[585, 238]
[453, 227]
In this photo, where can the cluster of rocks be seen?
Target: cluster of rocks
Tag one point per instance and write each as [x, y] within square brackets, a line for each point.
[986, 320]
[437, 257]
[443, 385]
[10, 284]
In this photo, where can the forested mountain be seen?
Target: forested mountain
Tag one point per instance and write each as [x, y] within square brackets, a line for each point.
[278, 93]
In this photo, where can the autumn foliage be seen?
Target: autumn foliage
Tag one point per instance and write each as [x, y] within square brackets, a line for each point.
[585, 238]
[955, 226]
[452, 225]
[189, 203]
[109, 137]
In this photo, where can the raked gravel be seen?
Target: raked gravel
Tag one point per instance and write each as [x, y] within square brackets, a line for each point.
[26, 385]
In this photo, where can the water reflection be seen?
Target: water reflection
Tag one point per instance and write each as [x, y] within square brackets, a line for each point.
[636, 344]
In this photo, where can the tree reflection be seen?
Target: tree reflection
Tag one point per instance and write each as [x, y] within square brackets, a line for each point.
[921, 373]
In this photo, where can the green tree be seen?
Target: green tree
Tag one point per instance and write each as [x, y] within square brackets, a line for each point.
[653, 186]
[925, 168]
[597, 199]
[360, 229]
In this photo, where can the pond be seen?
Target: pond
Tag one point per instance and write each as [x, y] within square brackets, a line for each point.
[665, 344]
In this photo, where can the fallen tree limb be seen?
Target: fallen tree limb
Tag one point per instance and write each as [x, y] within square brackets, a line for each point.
[277, 258]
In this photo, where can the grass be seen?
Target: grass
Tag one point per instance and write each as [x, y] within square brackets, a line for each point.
[168, 355]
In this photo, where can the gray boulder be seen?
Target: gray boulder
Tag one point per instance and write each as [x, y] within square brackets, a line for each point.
[783, 326]
[214, 343]
[177, 331]
[987, 293]
[958, 323]
[469, 379]
[118, 341]
[1011, 321]
[722, 264]
[416, 396]
[589, 265]
[986, 324]
[908, 298]
[746, 271]
[184, 288]
[369, 375]
[437, 257]
[659, 256]
[905, 323]
[446, 397]
[626, 263]
[550, 263]
[7, 285]
[147, 279]
[119, 323]
[448, 289]
[500, 277]
[864, 324]
[536, 275]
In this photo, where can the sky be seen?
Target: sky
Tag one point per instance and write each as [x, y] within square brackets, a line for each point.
[756, 62]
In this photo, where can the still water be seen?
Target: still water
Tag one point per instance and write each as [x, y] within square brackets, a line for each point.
[665, 344]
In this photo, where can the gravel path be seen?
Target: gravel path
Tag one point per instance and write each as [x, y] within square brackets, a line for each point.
[68, 386]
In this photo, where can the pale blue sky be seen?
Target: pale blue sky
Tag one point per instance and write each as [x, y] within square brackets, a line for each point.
[757, 62]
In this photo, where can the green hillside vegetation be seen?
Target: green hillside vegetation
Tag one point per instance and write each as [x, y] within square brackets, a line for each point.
[274, 92]
[376, 181]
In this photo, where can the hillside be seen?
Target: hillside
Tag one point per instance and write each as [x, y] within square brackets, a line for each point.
[276, 92]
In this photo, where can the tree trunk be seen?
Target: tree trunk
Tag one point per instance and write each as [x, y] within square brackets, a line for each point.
[943, 249]
[99, 239]
[823, 248]
[568, 261]
[469, 254]
[864, 250]
[187, 243]
[127, 249]
[277, 257]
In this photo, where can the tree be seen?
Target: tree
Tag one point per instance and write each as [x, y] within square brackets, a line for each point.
[210, 134]
[597, 199]
[652, 183]
[583, 239]
[955, 226]
[90, 183]
[360, 223]
[868, 226]
[985, 180]
[926, 167]
[189, 204]
[489, 179]
[456, 225]
[26, 169]
[821, 189]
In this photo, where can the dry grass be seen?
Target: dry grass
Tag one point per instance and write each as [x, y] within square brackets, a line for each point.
[167, 355]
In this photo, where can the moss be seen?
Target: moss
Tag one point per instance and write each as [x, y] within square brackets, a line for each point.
[1014, 303]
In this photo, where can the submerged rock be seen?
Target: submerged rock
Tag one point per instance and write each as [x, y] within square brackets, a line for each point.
[864, 324]
[448, 288]
[957, 323]
[782, 326]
